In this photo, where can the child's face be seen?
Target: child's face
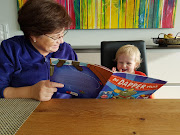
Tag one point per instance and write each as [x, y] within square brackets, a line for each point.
[126, 63]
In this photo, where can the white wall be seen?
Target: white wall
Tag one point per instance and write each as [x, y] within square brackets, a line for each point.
[164, 64]
[8, 15]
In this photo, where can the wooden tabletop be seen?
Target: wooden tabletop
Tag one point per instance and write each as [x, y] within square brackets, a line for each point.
[104, 117]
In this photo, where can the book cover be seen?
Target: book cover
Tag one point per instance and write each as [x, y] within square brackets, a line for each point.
[129, 86]
[84, 80]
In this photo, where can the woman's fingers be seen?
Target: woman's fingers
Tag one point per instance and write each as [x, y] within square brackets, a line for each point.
[44, 90]
[51, 90]
[54, 84]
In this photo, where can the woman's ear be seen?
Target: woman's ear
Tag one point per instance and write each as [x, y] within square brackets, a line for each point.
[33, 38]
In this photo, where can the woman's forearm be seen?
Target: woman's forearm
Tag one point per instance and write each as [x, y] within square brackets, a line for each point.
[20, 92]
[41, 91]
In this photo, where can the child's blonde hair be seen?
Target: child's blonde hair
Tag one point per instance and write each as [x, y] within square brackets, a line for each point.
[130, 50]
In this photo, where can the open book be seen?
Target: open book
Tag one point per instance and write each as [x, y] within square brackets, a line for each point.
[83, 80]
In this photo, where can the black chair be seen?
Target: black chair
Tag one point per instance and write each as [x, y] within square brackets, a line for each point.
[109, 48]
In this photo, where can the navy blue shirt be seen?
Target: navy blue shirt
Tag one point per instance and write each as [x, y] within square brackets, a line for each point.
[22, 65]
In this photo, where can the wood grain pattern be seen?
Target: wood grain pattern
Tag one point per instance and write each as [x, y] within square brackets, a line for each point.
[104, 117]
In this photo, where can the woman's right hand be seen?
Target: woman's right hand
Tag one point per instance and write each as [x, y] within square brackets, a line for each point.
[44, 90]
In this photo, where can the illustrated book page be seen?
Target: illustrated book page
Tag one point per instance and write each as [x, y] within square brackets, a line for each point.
[129, 86]
[81, 80]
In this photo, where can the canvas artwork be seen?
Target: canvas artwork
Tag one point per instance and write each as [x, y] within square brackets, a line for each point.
[117, 14]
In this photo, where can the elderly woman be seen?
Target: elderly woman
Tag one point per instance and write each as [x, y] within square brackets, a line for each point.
[25, 60]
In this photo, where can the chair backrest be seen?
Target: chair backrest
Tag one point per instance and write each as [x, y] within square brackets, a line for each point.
[109, 48]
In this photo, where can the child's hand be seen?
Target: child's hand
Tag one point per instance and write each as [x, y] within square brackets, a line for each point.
[114, 69]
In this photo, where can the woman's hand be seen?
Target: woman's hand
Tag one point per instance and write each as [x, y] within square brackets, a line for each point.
[41, 91]
[44, 90]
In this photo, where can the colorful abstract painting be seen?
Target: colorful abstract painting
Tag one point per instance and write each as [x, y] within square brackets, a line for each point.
[117, 14]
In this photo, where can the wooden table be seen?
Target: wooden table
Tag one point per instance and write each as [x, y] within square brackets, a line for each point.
[104, 117]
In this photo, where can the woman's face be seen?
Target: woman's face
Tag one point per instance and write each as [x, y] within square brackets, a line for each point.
[126, 63]
[48, 43]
